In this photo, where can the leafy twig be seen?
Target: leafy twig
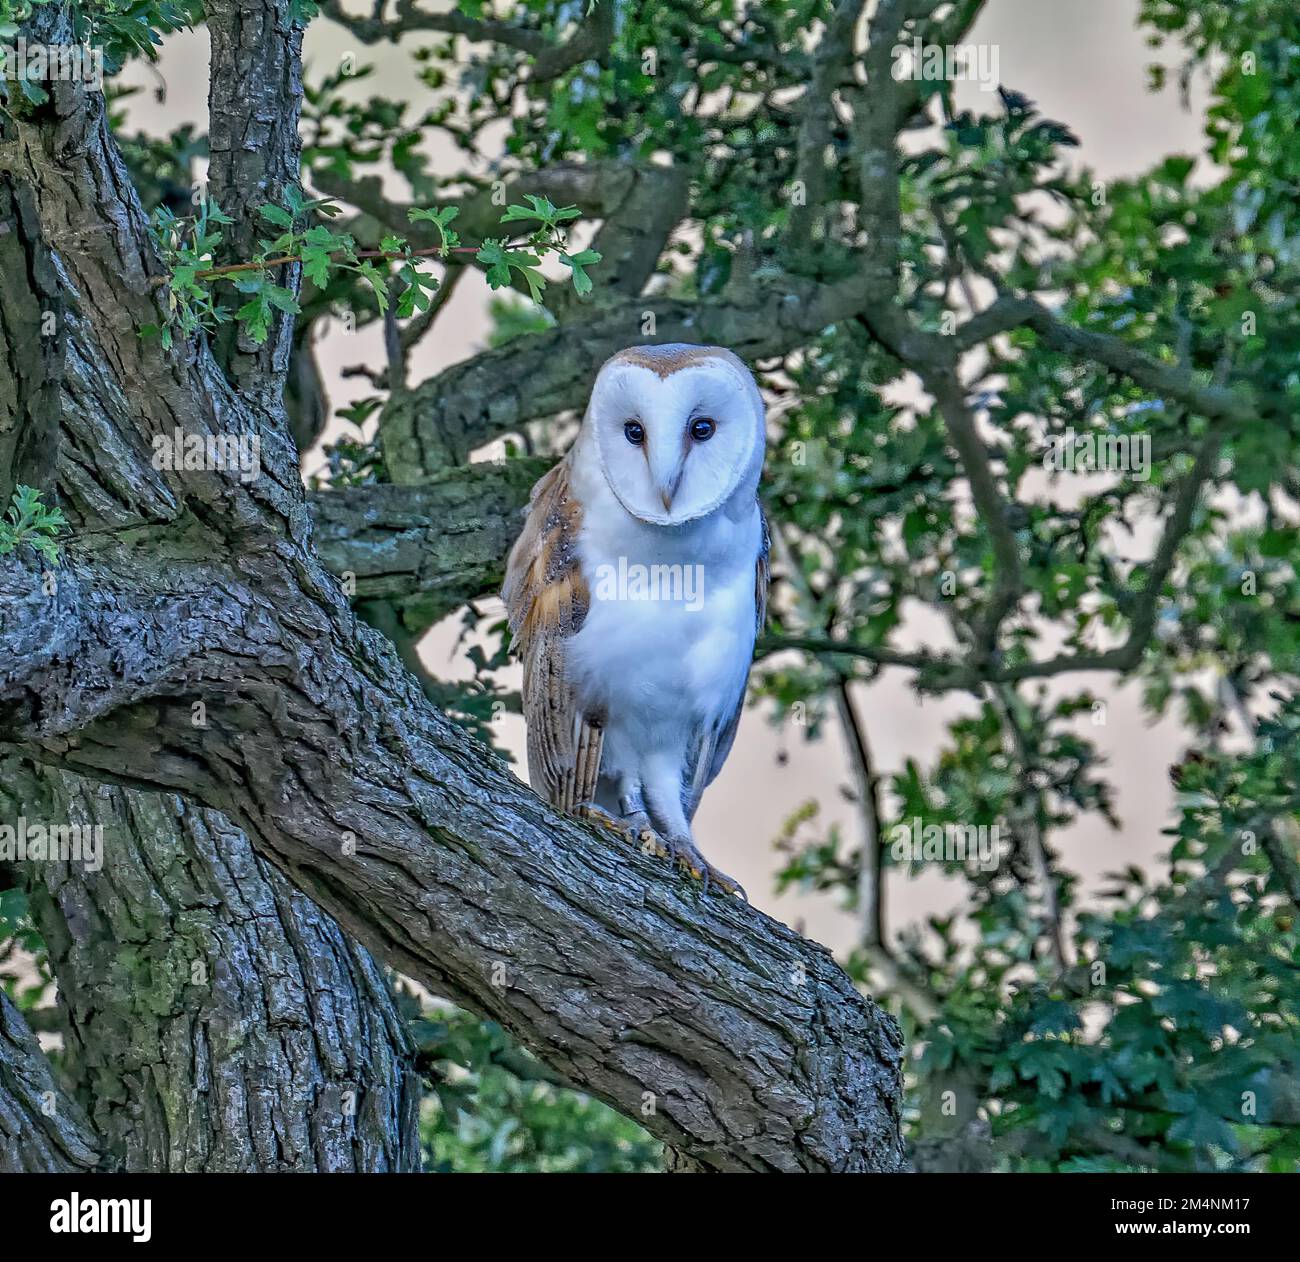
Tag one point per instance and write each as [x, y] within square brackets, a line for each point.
[190, 248]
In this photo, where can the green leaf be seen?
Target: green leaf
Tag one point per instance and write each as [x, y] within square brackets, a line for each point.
[276, 215]
[282, 299]
[255, 315]
[440, 220]
[316, 264]
[579, 264]
[492, 255]
[29, 521]
[377, 281]
[541, 209]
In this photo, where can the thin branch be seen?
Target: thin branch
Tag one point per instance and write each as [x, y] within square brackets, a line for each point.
[280, 260]
[589, 40]
[826, 646]
[882, 109]
[945, 672]
[1174, 382]
[945, 385]
[871, 894]
[1143, 617]
[871, 874]
[1031, 815]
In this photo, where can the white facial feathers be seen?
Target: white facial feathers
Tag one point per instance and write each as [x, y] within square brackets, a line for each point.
[677, 430]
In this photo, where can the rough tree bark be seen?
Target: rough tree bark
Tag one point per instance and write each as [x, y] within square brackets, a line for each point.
[41, 1130]
[304, 1065]
[425, 549]
[213, 1017]
[737, 1042]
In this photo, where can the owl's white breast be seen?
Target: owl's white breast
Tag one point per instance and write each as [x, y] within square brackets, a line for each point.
[658, 667]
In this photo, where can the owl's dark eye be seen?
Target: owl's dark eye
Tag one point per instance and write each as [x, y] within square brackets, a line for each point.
[634, 432]
[702, 428]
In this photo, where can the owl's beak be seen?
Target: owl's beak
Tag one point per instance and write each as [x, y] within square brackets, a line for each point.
[666, 475]
[669, 489]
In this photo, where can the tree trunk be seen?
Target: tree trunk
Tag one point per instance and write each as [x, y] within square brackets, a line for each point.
[41, 1130]
[214, 1018]
[192, 643]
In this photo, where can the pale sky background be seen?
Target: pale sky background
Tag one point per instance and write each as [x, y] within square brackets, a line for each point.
[1085, 65]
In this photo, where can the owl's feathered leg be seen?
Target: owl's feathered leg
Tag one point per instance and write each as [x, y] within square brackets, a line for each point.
[659, 836]
[674, 832]
[631, 809]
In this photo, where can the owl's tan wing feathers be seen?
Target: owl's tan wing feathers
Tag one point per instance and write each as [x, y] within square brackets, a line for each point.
[547, 600]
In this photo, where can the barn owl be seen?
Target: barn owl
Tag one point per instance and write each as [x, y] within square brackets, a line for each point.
[636, 591]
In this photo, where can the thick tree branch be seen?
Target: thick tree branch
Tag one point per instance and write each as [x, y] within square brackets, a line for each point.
[834, 54]
[322, 748]
[443, 420]
[633, 235]
[41, 1130]
[426, 549]
[1172, 382]
[880, 110]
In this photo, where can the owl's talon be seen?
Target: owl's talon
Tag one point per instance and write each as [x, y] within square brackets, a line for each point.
[684, 853]
[681, 853]
[651, 844]
[597, 815]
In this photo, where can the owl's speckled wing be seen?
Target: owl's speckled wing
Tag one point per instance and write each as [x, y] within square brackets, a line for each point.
[710, 747]
[547, 601]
